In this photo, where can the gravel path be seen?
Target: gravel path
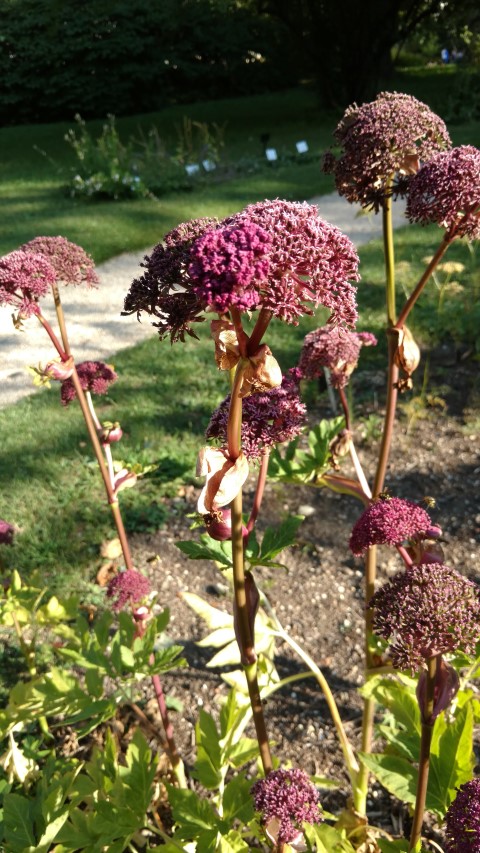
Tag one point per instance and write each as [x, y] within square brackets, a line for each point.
[96, 329]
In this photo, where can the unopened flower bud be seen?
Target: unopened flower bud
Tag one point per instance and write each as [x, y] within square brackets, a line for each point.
[262, 373]
[447, 684]
[219, 525]
[110, 432]
[248, 655]
[58, 369]
[407, 357]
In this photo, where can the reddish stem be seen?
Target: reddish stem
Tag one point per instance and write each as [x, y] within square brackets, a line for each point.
[259, 330]
[51, 334]
[448, 238]
[257, 501]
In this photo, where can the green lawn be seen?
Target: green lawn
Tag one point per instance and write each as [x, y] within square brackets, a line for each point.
[49, 485]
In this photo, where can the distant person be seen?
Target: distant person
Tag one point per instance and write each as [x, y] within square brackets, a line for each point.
[445, 56]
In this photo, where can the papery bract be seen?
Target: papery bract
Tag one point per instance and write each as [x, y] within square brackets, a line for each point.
[224, 478]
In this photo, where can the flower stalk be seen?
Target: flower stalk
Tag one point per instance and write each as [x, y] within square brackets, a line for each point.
[424, 761]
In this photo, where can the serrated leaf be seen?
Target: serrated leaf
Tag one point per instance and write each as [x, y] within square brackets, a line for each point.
[200, 551]
[240, 753]
[327, 839]
[451, 759]
[275, 539]
[237, 800]
[18, 823]
[191, 814]
[396, 774]
[208, 766]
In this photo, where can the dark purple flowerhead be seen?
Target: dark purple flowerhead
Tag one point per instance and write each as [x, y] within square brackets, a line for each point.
[388, 522]
[228, 266]
[7, 532]
[462, 821]
[164, 291]
[427, 610]
[71, 263]
[288, 798]
[310, 261]
[447, 191]
[128, 589]
[268, 419]
[382, 140]
[94, 376]
[334, 348]
[24, 278]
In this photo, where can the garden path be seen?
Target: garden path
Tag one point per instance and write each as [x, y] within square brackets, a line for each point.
[96, 328]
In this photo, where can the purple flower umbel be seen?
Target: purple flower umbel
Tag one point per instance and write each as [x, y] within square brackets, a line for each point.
[268, 419]
[24, 278]
[335, 348]
[94, 376]
[447, 191]
[128, 589]
[462, 821]
[165, 289]
[310, 261]
[6, 533]
[426, 611]
[388, 522]
[228, 266]
[380, 140]
[289, 797]
[70, 262]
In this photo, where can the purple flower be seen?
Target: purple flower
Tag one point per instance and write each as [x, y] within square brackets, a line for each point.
[447, 191]
[380, 140]
[94, 376]
[165, 289]
[462, 821]
[228, 266]
[268, 419]
[335, 348]
[70, 262]
[287, 797]
[6, 533]
[388, 522]
[127, 589]
[24, 278]
[426, 611]
[310, 261]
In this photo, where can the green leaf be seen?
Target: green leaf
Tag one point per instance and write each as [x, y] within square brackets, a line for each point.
[232, 842]
[192, 815]
[327, 839]
[52, 830]
[451, 759]
[217, 551]
[396, 774]
[209, 754]
[213, 616]
[18, 823]
[387, 846]
[240, 753]
[276, 539]
[237, 800]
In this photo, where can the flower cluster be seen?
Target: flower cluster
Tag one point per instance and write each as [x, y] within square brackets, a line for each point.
[71, 263]
[426, 611]
[277, 255]
[311, 261]
[462, 821]
[165, 289]
[388, 521]
[334, 348]
[268, 419]
[24, 278]
[287, 797]
[6, 533]
[127, 589]
[380, 140]
[94, 376]
[447, 191]
[228, 266]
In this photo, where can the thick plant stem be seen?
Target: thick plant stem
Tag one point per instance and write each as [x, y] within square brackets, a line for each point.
[424, 761]
[391, 407]
[51, 334]
[173, 754]
[389, 255]
[257, 501]
[61, 318]
[259, 330]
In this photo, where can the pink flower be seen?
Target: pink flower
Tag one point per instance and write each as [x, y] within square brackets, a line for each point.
[335, 348]
[388, 522]
[228, 266]
[94, 376]
[447, 191]
[311, 262]
[7, 532]
[24, 278]
[381, 140]
[224, 478]
[71, 263]
[286, 799]
[128, 588]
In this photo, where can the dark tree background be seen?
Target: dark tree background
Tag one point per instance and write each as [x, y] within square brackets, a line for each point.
[59, 57]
